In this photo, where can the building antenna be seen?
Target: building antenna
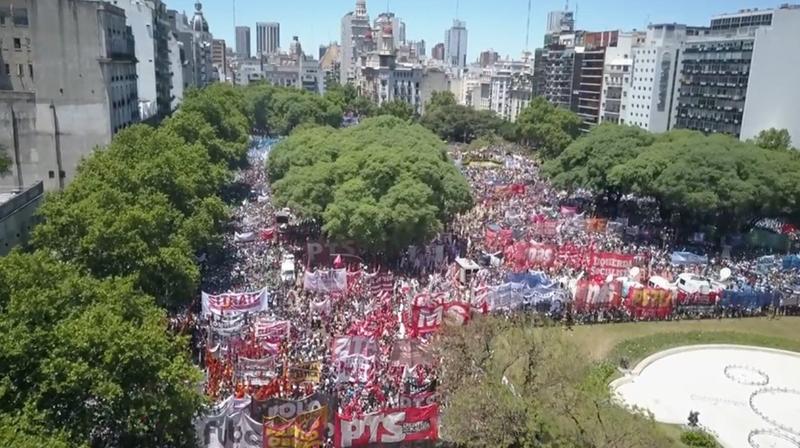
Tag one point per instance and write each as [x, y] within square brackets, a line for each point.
[457, 1]
[234, 16]
[528, 27]
[566, 6]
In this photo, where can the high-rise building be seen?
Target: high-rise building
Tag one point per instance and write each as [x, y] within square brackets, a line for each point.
[355, 30]
[219, 57]
[438, 52]
[653, 71]
[560, 22]
[487, 58]
[151, 32]
[738, 78]
[617, 76]
[195, 38]
[243, 41]
[455, 44]
[419, 48]
[268, 37]
[75, 64]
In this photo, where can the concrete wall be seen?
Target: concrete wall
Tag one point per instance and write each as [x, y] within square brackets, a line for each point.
[17, 217]
[17, 134]
[773, 92]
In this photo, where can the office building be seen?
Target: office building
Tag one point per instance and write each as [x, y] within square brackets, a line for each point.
[243, 41]
[653, 71]
[487, 58]
[587, 79]
[268, 38]
[151, 30]
[617, 76]
[558, 23]
[355, 29]
[438, 52]
[78, 90]
[729, 77]
[219, 58]
[18, 214]
[330, 63]
[455, 44]
[195, 38]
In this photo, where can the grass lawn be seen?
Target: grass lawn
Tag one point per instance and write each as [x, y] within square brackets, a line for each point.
[638, 340]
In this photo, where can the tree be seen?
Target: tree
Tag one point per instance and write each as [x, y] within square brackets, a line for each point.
[586, 162]
[713, 179]
[548, 128]
[384, 183]
[347, 98]
[278, 110]
[397, 108]
[457, 123]
[774, 139]
[91, 358]
[507, 384]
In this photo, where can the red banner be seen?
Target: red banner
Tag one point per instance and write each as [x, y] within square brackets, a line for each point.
[304, 431]
[608, 263]
[649, 302]
[428, 318]
[595, 294]
[401, 426]
[546, 227]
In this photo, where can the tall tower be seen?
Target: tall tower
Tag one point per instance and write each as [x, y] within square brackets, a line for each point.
[355, 29]
[455, 44]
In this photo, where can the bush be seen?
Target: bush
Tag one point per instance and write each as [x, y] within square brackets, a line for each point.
[698, 438]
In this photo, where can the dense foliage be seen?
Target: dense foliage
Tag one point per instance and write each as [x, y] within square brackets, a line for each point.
[774, 139]
[349, 100]
[547, 128]
[508, 384]
[384, 183]
[695, 179]
[457, 123]
[397, 108]
[85, 355]
[698, 439]
[278, 110]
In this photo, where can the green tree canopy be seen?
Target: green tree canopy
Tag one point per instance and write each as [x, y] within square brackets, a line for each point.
[548, 128]
[397, 108]
[91, 358]
[347, 98]
[278, 110]
[774, 139]
[713, 179]
[586, 162]
[457, 123]
[384, 183]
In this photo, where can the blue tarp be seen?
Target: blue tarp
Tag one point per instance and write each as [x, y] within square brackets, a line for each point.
[746, 298]
[791, 262]
[510, 296]
[686, 258]
[530, 279]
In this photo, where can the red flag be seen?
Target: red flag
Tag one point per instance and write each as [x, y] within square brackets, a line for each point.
[338, 263]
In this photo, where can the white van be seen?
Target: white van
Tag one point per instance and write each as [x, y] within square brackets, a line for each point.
[287, 268]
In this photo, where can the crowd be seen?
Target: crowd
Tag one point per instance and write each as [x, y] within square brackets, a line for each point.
[290, 343]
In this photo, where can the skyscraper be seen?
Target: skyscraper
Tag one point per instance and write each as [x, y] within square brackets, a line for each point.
[455, 44]
[268, 37]
[355, 28]
[243, 41]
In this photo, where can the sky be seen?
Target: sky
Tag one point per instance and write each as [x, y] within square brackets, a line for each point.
[492, 24]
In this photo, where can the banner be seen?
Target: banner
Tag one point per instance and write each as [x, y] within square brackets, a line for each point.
[593, 295]
[272, 330]
[353, 358]
[609, 263]
[235, 303]
[229, 426]
[542, 254]
[428, 319]
[418, 400]
[410, 353]
[321, 308]
[401, 426]
[304, 431]
[649, 302]
[307, 372]
[546, 228]
[326, 281]
[289, 409]
[227, 325]
[596, 225]
[257, 372]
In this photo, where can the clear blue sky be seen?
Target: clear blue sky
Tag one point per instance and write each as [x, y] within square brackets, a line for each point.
[497, 24]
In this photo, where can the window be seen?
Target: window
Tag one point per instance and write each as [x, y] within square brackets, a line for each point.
[51, 174]
[30, 70]
[8, 69]
[20, 70]
[17, 44]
